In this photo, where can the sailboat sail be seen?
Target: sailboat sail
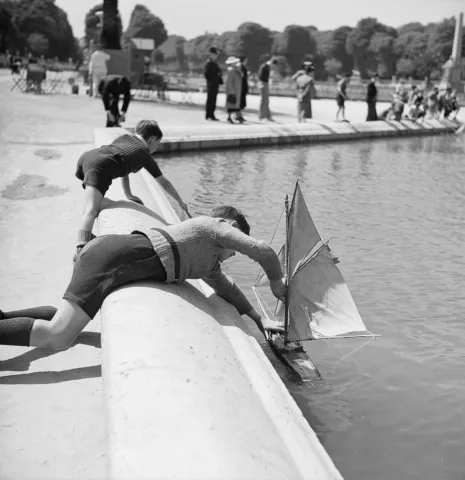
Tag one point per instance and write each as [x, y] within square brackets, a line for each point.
[319, 301]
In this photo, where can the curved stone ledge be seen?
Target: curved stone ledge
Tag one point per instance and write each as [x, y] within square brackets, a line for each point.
[189, 392]
[193, 138]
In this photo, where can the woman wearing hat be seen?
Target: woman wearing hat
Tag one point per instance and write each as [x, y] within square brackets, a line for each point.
[305, 91]
[233, 87]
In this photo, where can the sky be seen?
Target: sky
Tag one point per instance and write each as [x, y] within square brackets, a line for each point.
[190, 18]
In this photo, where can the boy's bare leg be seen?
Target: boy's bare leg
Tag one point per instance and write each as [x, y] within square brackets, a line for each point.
[62, 330]
[92, 203]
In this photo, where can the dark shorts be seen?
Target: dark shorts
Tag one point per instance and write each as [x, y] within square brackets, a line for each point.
[340, 100]
[108, 262]
[93, 169]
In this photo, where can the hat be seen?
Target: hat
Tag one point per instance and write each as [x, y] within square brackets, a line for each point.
[232, 60]
[213, 50]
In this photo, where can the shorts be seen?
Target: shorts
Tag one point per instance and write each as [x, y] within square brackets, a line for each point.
[93, 169]
[109, 262]
[340, 100]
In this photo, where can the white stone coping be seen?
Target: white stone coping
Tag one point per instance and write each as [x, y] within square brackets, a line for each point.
[203, 137]
[189, 393]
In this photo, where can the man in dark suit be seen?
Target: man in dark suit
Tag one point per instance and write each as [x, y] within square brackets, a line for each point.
[110, 89]
[372, 94]
[214, 80]
[245, 88]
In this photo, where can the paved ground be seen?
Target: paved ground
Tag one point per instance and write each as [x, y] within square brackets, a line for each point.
[51, 406]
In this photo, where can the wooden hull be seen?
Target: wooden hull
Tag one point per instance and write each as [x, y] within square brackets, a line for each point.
[294, 357]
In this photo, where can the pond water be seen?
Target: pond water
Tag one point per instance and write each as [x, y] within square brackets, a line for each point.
[393, 409]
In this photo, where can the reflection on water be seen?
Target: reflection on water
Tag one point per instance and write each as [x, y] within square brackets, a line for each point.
[395, 212]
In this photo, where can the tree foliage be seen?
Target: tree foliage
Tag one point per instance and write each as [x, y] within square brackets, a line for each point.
[37, 22]
[38, 44]
[144, 24]
[337, 49]
[294, 43]
[254, 41]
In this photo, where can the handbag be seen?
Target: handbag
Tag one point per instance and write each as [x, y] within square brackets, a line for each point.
[231, 98]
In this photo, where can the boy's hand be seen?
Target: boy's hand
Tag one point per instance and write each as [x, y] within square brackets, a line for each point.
[278, 287]
[272, 326]
[133, 198]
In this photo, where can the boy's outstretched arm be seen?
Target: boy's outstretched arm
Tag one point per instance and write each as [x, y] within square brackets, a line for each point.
[226, 288]
[127, 190]
[169, 188]
[257, 250]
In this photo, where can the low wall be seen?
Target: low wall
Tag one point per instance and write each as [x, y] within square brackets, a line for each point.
[189, 392]
[191, 138]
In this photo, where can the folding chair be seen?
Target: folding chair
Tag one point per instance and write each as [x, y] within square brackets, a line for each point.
[19, 81]
[55, 81]
[35, 76]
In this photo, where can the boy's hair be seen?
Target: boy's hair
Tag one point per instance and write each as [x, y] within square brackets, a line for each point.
[148, 129]
[232, 213]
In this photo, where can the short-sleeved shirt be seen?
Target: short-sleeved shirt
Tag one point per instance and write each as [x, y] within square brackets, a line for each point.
[127, 154]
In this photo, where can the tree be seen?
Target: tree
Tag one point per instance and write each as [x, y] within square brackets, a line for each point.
[45, 18]
[144, 24]
[441, 39]
[333, 66]
[294, 44]
[93, 25]
[414, 57]
[359, 40]
[9, 34]
[110, 33]
[382, 47]
[411, 27]
[38, 43]
[197, 49]
[254, 41]
[338, 51]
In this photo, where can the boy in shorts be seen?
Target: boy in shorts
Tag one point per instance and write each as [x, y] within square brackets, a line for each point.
[127, 154]
[191, 249]
[342, 97]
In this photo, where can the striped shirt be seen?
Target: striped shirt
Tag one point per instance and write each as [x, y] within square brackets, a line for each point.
[133, 155]
[191, 249]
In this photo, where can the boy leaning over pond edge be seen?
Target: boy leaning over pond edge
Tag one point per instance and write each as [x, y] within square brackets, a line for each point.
[127, 154]
[191, 249]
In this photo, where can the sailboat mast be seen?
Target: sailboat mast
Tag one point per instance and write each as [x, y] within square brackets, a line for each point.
[286, 267]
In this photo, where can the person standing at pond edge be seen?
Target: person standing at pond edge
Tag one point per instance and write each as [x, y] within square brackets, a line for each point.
[342, 97]
[214, 78]
[263, 85]
[233, 88]
[305, 91]
[372, 96]
[110, 89]
[127, 154]
[191, 249]
[245, 87]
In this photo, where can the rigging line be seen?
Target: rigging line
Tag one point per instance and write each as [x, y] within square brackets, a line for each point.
[358, 348]
[272, 238]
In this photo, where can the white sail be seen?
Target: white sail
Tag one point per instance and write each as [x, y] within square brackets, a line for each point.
[320, 303]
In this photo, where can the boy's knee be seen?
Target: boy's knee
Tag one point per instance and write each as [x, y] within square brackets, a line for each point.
[91, 211]
[59, 341]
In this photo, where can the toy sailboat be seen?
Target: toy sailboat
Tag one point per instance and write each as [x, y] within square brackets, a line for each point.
[318, 302]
